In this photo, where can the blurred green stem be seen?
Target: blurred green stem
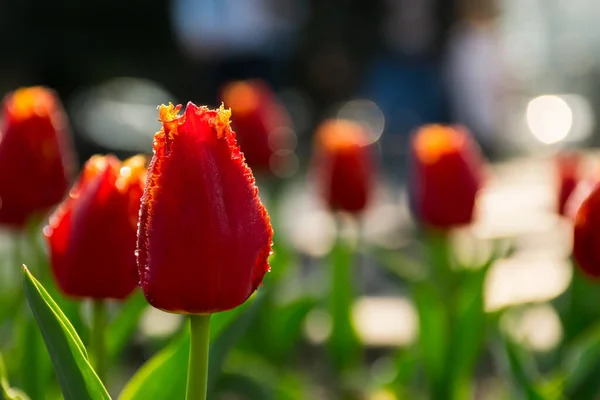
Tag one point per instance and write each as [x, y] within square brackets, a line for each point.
[198, 365]
[439, 311]
[343, 341]
[439, 254]
[98, 337]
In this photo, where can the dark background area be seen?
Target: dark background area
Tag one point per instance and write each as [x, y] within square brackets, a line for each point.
[332, 54]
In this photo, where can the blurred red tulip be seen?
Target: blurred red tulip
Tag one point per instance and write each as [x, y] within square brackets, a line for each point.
[36, 158]
[343, 165]
[577, 197]
[261, 124]
[445, 176]
[92, 235]
[204, 236]
[568, 166]
[586, 235]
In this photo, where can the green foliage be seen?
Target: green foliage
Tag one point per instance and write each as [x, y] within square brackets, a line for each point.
[69, 357]
[164, 375]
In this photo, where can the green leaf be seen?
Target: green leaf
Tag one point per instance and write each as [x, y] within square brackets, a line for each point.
[7, 392]
[70, 308]
[404, 365]
[581, 363]
[578, 306]
[344, 345]
[522, 370]
[164, 375]
[265, 380]
[222, 341]
[243, 384]
[279, 321]
[284, 326]
[278, 327]
[75, 375]
[125, 323]
[30, 351]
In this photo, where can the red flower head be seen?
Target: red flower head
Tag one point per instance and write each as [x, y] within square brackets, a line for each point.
[568, 166]
[261, 124]
[204, 236]
[92, 235]
[344, 165]
[445, 177]
[36, 161]
[586, 235]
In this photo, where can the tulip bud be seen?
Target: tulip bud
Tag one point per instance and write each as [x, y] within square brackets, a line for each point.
[343, 165]
[204, 236]
[568, 175]
[36, 160]
[261, 124]
[445, 175]
[586, 235]
[92, 235]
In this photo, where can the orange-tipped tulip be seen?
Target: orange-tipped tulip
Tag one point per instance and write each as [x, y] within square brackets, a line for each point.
[260, 122]
[344, 165]
[586, 235]
[445, 176]
[36, 159]
[568, 166]
[204, 236]
[92, 235]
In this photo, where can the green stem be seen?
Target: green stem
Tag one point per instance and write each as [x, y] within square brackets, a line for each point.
[98, 337]
[344, 344]
[198, 365]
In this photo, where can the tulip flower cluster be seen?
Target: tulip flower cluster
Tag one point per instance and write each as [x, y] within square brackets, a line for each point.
[190, 229]
[187, 226]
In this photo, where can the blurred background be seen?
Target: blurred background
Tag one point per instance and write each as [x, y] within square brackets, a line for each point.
[522, 75]
[507, 68]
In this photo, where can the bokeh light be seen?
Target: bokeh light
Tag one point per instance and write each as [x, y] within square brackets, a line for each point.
[549, 118]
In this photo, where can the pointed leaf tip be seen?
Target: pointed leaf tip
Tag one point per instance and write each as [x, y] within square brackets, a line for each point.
[74, 372]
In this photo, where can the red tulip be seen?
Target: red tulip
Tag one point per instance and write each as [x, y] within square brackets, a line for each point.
[92, 235]
[568, 175]
[445, 177]
[260, 122]
[577, 197]
[36, 161]
[344, 165]
[586, 235]
[204, 236]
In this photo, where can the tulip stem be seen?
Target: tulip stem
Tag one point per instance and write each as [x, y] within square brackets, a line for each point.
[344, 343]
[98, 337]
[198, 366]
